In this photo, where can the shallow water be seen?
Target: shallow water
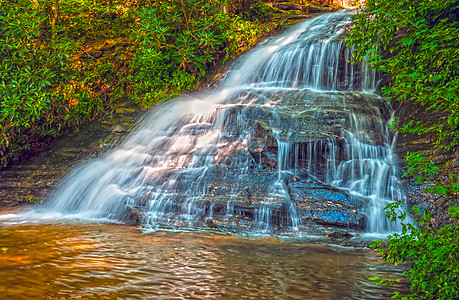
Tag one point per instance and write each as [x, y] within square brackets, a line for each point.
[100, 261]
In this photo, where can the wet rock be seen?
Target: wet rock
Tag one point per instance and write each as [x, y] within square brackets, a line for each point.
[318, 9]
[262, 157]
[211, 223]
[296, 17]
[326, 205]
[339, 235]
[120, 129]
[133, 216]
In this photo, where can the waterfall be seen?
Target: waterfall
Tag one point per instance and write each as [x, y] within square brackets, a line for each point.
[293, 113]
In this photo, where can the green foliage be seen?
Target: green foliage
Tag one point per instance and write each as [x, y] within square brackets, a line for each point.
[259, 11]
[415, 42]
[28, 72]
[67, 62]
[433, 254]
[32, 199]
[420, 167]
[178, 41]
[44, 87]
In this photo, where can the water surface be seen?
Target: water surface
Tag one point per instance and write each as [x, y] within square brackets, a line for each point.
[100, 261]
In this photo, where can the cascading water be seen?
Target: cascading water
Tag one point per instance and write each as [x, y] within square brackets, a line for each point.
[294, 116]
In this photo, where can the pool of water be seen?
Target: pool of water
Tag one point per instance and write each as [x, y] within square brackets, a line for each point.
[103, 261]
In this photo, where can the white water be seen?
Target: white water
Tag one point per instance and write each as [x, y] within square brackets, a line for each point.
[192, 152]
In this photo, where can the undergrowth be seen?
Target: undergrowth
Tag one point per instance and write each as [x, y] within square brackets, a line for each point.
[67, 62]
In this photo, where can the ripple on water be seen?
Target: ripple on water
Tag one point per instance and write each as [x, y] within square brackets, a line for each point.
[60, 260]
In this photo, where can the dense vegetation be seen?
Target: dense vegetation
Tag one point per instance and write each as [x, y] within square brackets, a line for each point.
[66, 62]
[49, 82]
[179, 40]
[416, 43]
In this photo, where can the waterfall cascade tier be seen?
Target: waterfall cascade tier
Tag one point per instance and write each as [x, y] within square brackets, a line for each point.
[293, 137]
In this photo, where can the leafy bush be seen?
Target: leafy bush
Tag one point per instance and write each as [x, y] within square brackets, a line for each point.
[178, 40]
[415, 42]
[29, 70]
[44, 87]
[432, 253]
[259, 11]
[54, 76]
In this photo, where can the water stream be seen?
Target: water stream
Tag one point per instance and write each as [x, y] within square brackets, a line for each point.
[294, 115]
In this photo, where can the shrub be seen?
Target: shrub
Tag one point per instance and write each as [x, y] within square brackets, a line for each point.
[45, 87]
[432, 254]
[415, 43]
[29, 70]
[178, 41]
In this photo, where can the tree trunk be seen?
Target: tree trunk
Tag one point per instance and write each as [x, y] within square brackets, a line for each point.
[56, 12]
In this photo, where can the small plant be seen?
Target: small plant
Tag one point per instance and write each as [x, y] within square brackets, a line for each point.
[32, 199]
[432, 252]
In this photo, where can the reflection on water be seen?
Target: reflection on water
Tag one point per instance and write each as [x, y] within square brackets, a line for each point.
[88, 261]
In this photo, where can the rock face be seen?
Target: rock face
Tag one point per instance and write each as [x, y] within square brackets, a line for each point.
[132, 217]
[35, 179]
[292, 152]
[446, 160]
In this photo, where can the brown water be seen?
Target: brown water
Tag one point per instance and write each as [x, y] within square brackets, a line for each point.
[97, 261]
